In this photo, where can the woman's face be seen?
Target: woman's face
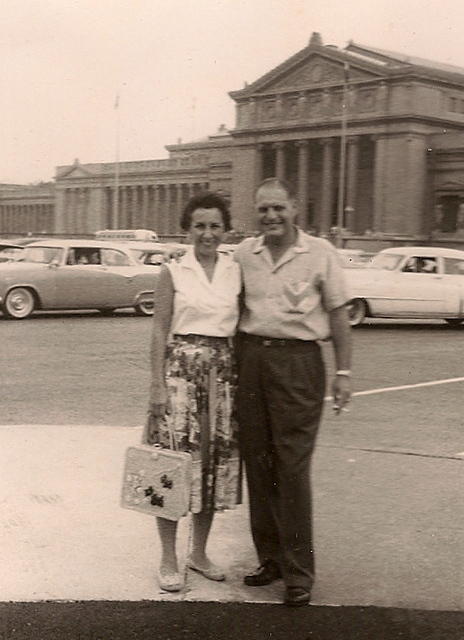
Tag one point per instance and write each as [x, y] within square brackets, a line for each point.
[206, 231]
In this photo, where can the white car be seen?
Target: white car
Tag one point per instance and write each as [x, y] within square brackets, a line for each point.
[76, 274]
[353, 258]
[409, 282]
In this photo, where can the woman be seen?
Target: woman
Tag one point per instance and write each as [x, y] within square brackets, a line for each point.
[196, 314]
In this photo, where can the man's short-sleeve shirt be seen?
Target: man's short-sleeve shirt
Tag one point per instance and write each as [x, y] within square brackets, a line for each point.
[292, 297]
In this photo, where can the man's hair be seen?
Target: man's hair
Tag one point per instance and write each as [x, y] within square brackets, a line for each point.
[277, 182]
[205, 200]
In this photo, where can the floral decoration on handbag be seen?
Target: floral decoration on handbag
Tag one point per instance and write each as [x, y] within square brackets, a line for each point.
[157, 481]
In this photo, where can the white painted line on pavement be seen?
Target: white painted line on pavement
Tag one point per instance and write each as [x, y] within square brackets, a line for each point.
[402, 387]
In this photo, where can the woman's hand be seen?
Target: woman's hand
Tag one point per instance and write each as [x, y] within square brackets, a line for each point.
[157, 410]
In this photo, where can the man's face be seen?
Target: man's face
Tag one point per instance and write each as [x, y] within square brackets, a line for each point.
[276, 213]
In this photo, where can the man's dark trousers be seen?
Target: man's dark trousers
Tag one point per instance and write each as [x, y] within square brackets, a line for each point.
[280, 398]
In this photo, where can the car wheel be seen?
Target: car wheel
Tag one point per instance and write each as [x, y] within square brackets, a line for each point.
[106, 312]
[357, 311]
[454, 322]
[19, 303]
[144, 306]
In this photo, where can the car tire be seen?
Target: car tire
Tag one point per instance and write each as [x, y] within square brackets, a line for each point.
[144, 306]
[19, 303]
[454, 322]
[357, 311]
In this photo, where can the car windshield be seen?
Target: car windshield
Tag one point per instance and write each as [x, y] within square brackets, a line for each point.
[387, 261]
[44, 255]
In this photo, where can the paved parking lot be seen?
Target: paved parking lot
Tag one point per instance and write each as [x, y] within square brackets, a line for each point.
[388, 475]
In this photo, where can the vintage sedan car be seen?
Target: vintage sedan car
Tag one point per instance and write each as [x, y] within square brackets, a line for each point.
[409, 282]
[76, 274]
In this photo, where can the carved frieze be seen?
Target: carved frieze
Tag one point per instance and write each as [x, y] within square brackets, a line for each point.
[366, 100]
[268, 110]
[314, 105]
[292, 108]
[309, 105]
[317, 70]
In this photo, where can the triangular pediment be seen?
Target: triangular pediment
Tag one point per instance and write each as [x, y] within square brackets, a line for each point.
[78, 172]
[75, 171]
[316, 70]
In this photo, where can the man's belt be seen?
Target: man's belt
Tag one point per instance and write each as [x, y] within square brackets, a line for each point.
[264, 341]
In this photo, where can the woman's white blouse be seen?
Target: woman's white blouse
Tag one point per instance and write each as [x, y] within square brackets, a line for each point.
[203, 307]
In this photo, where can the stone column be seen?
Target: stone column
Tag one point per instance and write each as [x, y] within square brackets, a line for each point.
[167, 209]
[303, 186]
[71, 210]
[155, 211]
[131, 207]
[83, 209]
[144, 212]
[351, 181]
[325, 219]
[280, 160]
[258, 168]
[380, 169]
[122, 222]
[179, 205]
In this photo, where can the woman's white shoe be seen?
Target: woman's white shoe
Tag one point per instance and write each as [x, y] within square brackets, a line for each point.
[170, 581]
[210, 571]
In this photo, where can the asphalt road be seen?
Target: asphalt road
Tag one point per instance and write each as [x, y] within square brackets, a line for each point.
[88, 369]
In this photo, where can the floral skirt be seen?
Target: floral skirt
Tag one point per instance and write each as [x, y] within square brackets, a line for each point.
[201, 382]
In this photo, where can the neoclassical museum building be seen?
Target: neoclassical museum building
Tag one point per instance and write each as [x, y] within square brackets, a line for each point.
[401, 120]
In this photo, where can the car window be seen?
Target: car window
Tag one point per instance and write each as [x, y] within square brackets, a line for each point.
[43, 255]
[114, 258]
[83, 256]
[420, 264]
[454, 266]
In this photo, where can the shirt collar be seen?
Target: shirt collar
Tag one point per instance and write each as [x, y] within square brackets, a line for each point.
[189, 261]
[299, 246]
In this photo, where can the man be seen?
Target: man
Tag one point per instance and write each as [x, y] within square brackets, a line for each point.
[294, 297]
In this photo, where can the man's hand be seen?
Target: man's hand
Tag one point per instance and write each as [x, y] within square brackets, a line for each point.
[341, 389]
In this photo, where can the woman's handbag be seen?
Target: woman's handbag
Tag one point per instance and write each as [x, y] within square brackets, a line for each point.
[157, 481]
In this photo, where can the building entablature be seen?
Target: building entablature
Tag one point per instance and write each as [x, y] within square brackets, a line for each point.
[141, 167]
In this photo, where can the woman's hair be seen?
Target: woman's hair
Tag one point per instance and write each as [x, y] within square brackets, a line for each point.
[205, 200]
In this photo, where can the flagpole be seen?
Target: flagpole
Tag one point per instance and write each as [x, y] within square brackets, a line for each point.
[115, 224]
[342, 168]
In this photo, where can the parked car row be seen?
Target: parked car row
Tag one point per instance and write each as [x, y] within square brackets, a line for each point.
[52, 274]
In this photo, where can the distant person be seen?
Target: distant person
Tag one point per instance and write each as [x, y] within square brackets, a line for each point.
[193, 374]
[294, 298]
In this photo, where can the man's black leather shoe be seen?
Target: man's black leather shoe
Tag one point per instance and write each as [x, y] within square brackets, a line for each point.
[265, 574]
[297, 596]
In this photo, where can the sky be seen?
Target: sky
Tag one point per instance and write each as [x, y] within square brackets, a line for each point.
[172, 63]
